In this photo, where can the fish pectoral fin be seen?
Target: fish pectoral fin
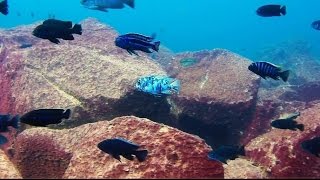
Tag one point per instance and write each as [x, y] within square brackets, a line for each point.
[54, 40]
[116, 156]
[128, 156]
[128, 50]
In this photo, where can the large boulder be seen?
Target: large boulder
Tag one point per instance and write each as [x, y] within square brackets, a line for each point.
[73, 153]
[7, 169]
[280, 151]
[89, 74]
[218, 94]
[244, 169]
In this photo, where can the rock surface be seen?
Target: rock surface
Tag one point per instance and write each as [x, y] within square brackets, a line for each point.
[7, 169]
[74, 154]
[243, 169]
[280, 151]
[217, 97]
[89, 74]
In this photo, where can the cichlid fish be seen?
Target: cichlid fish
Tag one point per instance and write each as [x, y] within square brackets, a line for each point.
[52, 29]
[158, 85]
[103, 5]
[224, 153]
[119, 146]
[132, 42]
[266, 69]
[5, 122]
[312, 146]
[272, 10]
[288, 123]
[316, 25]
[4, 7]
[44, 117]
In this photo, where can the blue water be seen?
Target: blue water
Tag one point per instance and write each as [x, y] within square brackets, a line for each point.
[188, 25]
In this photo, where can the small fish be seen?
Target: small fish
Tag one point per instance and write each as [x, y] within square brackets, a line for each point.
[23, 46]
[224, 153]
[266, 69]
[44, 117]
[288, 123]
[272, 10]
[316, 25]
[4, 7]
[312, 146]
[119, 146]
[7, 120]
[52, 29]
[158, 85]
[132, 42]
[3, 139]
[104, 5]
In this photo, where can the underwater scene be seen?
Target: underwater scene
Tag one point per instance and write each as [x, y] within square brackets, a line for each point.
[128, 89]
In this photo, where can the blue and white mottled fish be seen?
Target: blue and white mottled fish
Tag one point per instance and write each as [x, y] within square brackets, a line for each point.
[158, 85]
[132, 42]
[103, 5]
[266, 69]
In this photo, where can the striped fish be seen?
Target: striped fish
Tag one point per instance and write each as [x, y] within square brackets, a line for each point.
[266, 69]
[103, 5]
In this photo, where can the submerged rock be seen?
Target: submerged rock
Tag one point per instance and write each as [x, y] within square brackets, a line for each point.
[244, 169]
[280, 151]
[7, 169]
[74, 152]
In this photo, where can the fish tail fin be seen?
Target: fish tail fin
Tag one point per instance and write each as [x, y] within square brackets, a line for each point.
[77, 29]
[156, 46]
[283, 10]
[67, 113]
[242, 151]
[130, 3]
[175, 85]
[141, 155]
[285, 75]
[14, 122]
[300, 127]
[4, 7]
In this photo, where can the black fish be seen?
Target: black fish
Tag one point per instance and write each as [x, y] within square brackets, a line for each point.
[288, 123]
[266, 69]
[224, 153]
[312, 146]
[4, 7]
[132, 42]
[7, 120]
[272, 10]
[316, 25]
[118, 146]
[52, 29]
[44, 117]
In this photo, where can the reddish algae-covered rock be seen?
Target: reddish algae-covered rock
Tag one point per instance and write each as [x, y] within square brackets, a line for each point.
[280, 150]
[172, 153]
[7, 169]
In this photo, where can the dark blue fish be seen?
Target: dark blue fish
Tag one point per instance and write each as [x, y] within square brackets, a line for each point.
[7, 120]
[272, 10]
[224, 153]
[44, 117]
[288, 123]
[266, 69]
[119, 146]
[4, 7]
[3, 139]
[23, 46]
[132, 42]
[312, 146]
[316, 25]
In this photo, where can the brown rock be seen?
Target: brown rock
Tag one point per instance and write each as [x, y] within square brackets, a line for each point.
[281, 153]
[172, 153]
[7, 169]
[243, 169]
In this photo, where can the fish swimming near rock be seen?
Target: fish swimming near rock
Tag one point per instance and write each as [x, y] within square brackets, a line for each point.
[44, 117]
[288, 123]
[119, 146]
[158, 85]
[316, 25]
[5, 122]
[224, 153]
[266, 69]
[312, 146]
[52, 29]
[4, 7]
[104, 5]
[132, 42]
[271, 10]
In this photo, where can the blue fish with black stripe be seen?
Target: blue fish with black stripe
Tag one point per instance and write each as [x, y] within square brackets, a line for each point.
[133, 41]
[266, 69]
